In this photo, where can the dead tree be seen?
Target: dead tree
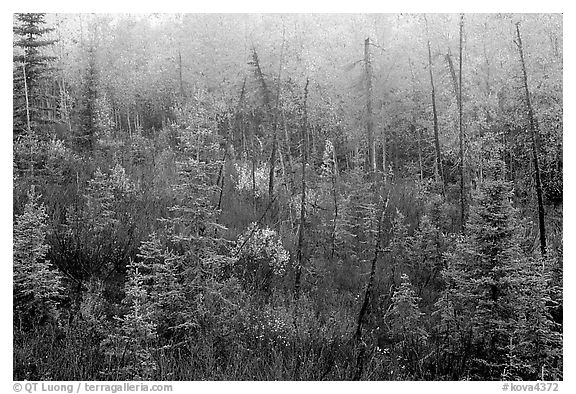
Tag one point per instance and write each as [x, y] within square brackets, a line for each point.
[461, 133]
[454, 77]
[26, 96]
[275, 127]
[334, 177]
[413, 127]
[535, 147]
[439, 168]
[369, 287]
[180, 79]
[304, 148]
[259, 75]
[369, 115]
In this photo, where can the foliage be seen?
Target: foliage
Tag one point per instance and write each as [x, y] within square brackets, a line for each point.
[37, 284]
[30, 33]
[168, 151]
[260, 258]
[489, 278]
[405, 321]
[132, 342]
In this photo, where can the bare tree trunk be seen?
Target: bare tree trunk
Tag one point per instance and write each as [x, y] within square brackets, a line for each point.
[455, 85]
[487, 101]
[61, 81]
[415, 128]
[416, 132]
[300, 252]
[181, 80]
[26, 97]
[487, 81]
[462, 197]
[128, 121]
[240, 117]
[253, 177]
[287, 137]
[335, 219]
[275, 127]
[369, 115]
[272, 167]
[222, 173]
[198, 143]
[384, 163]
[286, 187]
[369, 288]
[535, 147]
[439, 168]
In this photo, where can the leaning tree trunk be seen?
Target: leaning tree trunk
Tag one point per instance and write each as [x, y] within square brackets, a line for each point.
[461, 129]
[268, 107]
[275, 130]
[335, 200]
[439, 169]
[26, 97]
[369, 288]
[300, 252]
[413, 127]
[369, 115]
[535, 147]
[180, 79]
[454, 77]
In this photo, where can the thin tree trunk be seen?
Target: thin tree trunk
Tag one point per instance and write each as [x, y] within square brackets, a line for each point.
[455, 85]
[335, 200]
[128, 121]
[240, 117]
[181, 80]
[275, 127]
[369, 288]
[198, 143]
[462, 197]
[61, 82]
[487, 81]
[418, 136]
[384, 164]
[439, 168]
[335, 219]
[253, 158]
[222, 173]
[369, 115]
[283, 165]
[287, 137]
[26, 96]
[415, 128]
[253, 180]
[267, 105]
[300, 252]
[119, 119]
[535, 147]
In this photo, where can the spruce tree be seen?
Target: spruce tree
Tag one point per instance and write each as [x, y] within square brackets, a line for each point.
[132, 343]
[405, 320]
[535, 345]
[191, 230]
[37, 284]
[426, 253]
[30, 60]
[495, 298]
[161, 272]
[478, 275]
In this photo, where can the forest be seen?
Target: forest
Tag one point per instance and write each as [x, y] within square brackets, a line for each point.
[287, 197]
